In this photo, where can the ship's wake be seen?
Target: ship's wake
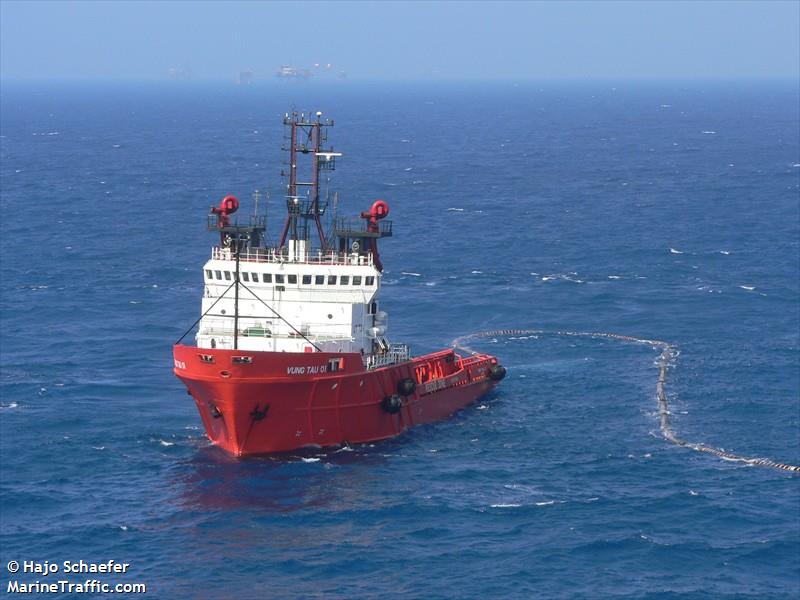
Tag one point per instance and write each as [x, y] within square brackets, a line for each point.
[666, 359]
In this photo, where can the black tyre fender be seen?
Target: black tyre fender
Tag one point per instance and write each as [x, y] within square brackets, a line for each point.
[392, 404]
[406, 387]
[497, 372]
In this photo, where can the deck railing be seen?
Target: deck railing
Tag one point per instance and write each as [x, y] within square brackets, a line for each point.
[262, 332]
[273, 255]
[396, 353]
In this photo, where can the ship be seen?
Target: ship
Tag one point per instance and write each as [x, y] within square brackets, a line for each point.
[291, 349]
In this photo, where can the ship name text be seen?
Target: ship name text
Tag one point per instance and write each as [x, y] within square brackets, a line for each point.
[307, 370]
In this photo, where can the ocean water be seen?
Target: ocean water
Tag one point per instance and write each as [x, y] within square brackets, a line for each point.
[666, 211]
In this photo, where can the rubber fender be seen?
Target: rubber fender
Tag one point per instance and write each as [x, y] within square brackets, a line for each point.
[406, 387]
[392, 404]
[497, 372]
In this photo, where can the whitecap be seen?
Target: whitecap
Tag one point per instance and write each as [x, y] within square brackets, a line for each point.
[749, 288]
[614, 277]
[309, 460]
[123, 527]
[9, 405]
[453, 209]
[709, 132]
[477, 272]
[725, 252]
[99, 447]
[693, 493]
[163, 443]
[410, 273]
[547, 503]
[796, 165]
[674, 251]
[547, 278]
[506, 505]
[482, 407]
[408, 168]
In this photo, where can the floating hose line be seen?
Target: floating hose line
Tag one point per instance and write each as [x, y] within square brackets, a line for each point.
[668, 354]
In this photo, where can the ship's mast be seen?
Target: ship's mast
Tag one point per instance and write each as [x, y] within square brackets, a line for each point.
[306, 136]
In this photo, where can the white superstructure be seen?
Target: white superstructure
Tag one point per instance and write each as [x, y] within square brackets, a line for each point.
[302, 303]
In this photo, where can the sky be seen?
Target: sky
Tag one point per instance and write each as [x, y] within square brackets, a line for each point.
[402, 40]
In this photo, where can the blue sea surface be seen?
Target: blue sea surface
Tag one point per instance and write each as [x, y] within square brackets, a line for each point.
[667, 211]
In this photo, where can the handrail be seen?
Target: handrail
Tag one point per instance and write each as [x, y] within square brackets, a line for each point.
[228, 332]
[271, 255]
[397, 353]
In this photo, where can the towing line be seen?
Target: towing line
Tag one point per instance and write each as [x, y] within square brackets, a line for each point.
[668, 353]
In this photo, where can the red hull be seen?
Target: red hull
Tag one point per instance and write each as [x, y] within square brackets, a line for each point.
[283, 401]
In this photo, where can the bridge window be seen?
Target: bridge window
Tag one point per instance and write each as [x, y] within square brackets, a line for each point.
[255, 277]
[306, 279]
[356, 279]
[319, 279]
[267, 278]
[227, 275]
[344, 280]
[292, 279]
[209, 274]
[279, 279]
[331, 279]
[218, 274]
[245, 275]
[370, 280]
